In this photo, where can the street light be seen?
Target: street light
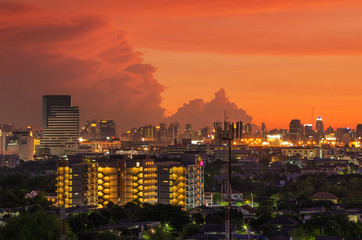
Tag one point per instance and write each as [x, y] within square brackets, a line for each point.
[246, 230]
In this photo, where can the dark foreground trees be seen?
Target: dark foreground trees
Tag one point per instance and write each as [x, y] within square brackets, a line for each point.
[38, 225]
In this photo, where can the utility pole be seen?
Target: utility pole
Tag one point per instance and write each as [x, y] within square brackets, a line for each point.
[227, 132]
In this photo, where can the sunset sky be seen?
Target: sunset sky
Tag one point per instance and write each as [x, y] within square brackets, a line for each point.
[141, 61]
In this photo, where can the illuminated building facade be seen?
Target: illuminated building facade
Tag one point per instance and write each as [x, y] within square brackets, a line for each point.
[19, 143]
[107, 129]
[309, 153]
[182, 183]
[60, 124]
[141, 180]
[77, 183]
[118, 179]
[308, 131]
[319, 125]
[359, 131]
[295, 130]
[111, 171]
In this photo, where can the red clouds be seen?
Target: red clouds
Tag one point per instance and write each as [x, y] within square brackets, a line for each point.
[200, 113]
[84, 57]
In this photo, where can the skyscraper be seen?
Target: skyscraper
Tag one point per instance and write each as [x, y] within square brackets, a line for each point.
[359, 130]
[295, 130]
[60, 124]
[308, 131]
[319, 125]
[263, 130]
[107, 129]
[188, 131]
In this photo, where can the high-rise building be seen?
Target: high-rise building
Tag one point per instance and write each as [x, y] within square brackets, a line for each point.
[107, 129]
[308, 131]
[295, 130]
[173, 131]
[263, 130]
[204, 132]
[19, 143]
[60, 124]
[188, 131]
[319, 125]
[161, 132]
[248, 130]
[359, 130]
[182, 183]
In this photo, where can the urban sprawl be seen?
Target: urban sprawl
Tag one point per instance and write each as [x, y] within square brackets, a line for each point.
[170, 181]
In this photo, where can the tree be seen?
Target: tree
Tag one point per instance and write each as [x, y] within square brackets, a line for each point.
[198, 218]
[38, 225]
[190, 230]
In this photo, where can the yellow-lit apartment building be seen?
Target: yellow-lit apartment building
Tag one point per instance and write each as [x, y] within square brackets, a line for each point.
[181, 182]
[96, 182]
[77, 183]
[141, 180]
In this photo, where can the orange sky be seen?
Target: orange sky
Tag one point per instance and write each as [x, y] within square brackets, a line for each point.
[276, 59]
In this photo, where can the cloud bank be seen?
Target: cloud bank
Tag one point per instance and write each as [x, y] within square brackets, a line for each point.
[90, 59]
[82, 57]
[201, 114]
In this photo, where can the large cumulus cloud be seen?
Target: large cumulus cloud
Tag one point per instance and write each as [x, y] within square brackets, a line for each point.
[92, 60]
[84, 57]
[200, 113]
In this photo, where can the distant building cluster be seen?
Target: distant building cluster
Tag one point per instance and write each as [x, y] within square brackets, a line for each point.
[60, 135]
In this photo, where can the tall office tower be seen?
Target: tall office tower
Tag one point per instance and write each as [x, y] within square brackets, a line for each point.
[188, 131]
[140, 180]
[149, 132]
[161, 132]
[173, 131]
[182, 183]
[308, 131]
[248, 130]
[205, 132]
[344, 135]
[176, 129]
[90, 130]
[263, 129]
[359, 130]
[85, 131]
[295, 130]
[107, 129]
[60, 124]
[319, 125]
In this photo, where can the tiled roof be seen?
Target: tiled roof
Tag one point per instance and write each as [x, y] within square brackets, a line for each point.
[323, 196]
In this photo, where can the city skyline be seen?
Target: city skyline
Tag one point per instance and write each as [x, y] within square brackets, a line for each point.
[267, 61]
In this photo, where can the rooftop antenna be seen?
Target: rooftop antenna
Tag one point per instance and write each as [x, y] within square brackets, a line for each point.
[228, 131]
